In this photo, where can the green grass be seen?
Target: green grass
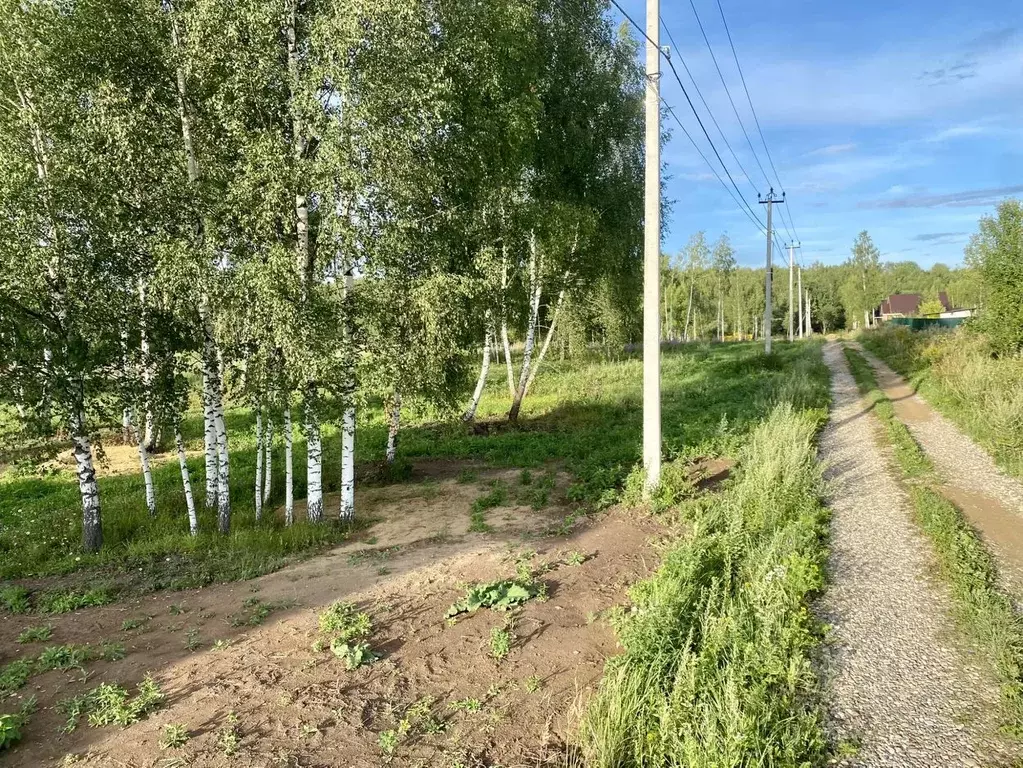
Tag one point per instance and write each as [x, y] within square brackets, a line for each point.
[478, 512]
[584, 416]
[982, 609]
[716, 669]
[957, 373]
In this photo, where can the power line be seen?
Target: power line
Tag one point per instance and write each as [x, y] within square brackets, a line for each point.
[749, 99]
[728, 92]
[685, 93]
[706, 106]
[754, 220]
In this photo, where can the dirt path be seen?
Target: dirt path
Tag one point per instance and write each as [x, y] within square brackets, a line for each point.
[900, 687]
[289, 704]
[991, 500]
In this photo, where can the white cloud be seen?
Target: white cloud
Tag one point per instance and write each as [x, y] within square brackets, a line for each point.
[833, 149]
[956, 132]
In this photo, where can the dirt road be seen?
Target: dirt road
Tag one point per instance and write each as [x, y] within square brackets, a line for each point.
[901, 691]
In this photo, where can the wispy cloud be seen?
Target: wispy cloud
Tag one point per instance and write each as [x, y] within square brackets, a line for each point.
[956, 132]
[833, 149]
[929, 237]
[974, 197]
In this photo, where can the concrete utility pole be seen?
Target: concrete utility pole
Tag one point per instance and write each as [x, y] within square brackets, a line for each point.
[652, 253]
[769, 201]
[802, 325]
[792, 296]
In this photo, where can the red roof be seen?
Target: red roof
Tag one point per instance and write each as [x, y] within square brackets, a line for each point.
[901, 304]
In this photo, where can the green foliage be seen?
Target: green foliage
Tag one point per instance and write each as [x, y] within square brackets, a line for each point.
[354, 655]
[500, 642]
[110, 704]
[67, 600]
[345, 626]
[254, 611]
[466, 705]
[996, 252]
[957, 372]
[984, 611]
[13, 676]
[11, 724]
[15, 599]
[717, 662]
[498, 595]
[36, 634]
[174, 736]
[575, 558]
[477, 513]
[64, 657]
[344, 621]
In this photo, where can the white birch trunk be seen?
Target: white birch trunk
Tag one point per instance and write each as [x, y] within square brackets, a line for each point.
[92, 527]
[392, 428]
[289, 472]
[209, 384]
[347, 510]
[481, 382]
[147, 474]
[268, 445]
[223, 463]
[259, 465]
[186, 481]
[504, 321]
[547, 339]
[314, 463]
[689, 309]
[149, 440]
[348, 464]
[534, 317]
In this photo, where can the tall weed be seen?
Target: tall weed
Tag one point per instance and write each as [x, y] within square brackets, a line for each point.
[716, 669]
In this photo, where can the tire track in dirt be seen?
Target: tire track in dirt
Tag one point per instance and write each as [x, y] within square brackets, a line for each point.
[898, 686]
[990, 499]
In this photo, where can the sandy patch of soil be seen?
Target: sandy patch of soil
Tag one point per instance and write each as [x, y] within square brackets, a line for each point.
[298, 707]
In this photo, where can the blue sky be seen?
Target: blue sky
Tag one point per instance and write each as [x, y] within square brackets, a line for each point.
[902, 118]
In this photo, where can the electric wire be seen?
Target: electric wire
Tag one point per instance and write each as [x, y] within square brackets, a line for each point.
[692, 107]
[749, 99]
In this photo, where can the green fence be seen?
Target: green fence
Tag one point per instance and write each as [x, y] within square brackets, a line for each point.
[923, 323]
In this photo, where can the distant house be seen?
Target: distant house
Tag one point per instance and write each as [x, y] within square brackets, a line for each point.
[907, 305]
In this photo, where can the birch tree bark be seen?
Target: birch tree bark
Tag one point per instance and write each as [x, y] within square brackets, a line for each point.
[259, 465]
[504, 321]
[147, 474]
[223, 460]
[347, 510]
[209, 383]
[314, 462]
[689, 308]
[394, 424]
[536, 287]
[481, 382]
[149, 440]
[268, 444]
[348, 464]
[186, 481]
[92, 527]
[547, 339]
[289, 482]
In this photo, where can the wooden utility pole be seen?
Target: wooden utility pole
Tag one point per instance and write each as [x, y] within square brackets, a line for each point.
[769, 201]
[652, 253]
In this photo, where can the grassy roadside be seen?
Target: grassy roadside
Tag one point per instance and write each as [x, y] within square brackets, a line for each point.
[983, 611]
[958, 375]
[716, 668]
